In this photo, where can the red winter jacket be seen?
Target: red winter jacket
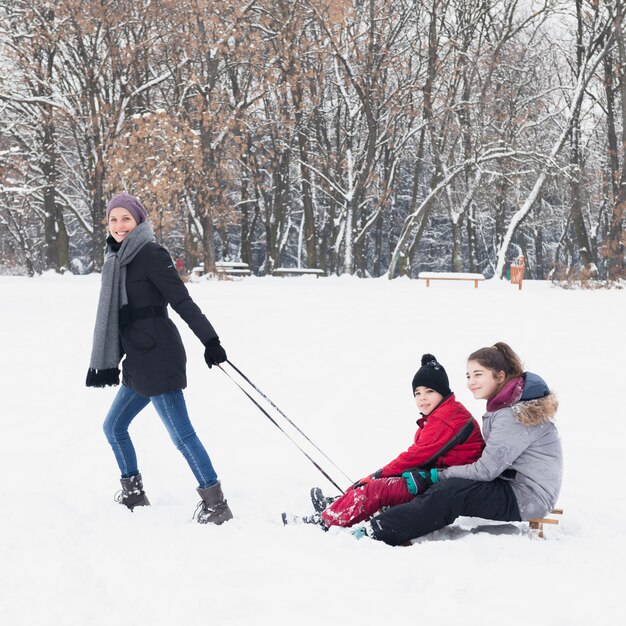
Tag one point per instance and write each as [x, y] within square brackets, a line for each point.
[433, 433]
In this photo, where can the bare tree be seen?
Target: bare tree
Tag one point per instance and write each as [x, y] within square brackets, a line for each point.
[600, 40]
[615, 82]
[31, 40]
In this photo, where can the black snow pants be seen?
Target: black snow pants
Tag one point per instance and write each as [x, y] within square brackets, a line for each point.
[442, 504]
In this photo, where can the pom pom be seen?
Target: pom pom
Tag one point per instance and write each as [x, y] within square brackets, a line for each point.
[428, 358]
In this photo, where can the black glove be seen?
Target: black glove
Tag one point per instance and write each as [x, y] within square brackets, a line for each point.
[214, 353]
[363, 481]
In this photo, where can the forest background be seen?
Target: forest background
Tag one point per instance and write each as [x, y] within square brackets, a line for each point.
[365, 137]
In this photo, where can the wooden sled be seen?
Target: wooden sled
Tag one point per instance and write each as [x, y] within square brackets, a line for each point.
[536, 524]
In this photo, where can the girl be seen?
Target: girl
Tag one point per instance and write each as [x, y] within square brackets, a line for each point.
[138, 281]
[437, 443]
[518, 476]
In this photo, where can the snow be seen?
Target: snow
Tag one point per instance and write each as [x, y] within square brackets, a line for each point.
[337, 356]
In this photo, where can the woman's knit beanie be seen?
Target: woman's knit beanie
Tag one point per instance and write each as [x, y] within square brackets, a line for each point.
[132, 204]
[432, 375]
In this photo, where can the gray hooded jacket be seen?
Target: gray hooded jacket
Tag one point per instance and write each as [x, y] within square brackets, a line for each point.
[523, 438]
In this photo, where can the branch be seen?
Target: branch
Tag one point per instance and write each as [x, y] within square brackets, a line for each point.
[34, 100]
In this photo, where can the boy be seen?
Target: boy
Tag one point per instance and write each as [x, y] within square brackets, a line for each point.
[447, 435]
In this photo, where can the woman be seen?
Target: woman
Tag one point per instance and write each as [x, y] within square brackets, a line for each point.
[139, 280]
[518, 476]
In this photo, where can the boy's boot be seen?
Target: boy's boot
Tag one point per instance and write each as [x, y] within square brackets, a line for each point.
[132, 493]
[213, 508]
[316, 519]
[319, 500]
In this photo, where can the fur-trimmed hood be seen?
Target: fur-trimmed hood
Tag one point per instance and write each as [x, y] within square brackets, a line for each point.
[537, 411]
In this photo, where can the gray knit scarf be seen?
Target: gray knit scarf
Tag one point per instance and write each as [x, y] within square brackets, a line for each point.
[105, 353]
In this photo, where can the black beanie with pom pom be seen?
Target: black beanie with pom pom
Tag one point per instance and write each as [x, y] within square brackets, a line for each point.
[432, 375]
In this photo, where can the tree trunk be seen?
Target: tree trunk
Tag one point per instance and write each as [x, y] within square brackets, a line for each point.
[471, 239]
[277, 213]
[249, 208]
[56, 241]
[615, 252]
[540, 272]
[310, 233]
[208, 239]
[577, 218]
[457, 245]
[98, 212]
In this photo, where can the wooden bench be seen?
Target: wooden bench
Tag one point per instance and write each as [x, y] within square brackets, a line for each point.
[298, 271]
[197, 271]
[536, 525]
[428, 276]
[233, 268]
[230, 268]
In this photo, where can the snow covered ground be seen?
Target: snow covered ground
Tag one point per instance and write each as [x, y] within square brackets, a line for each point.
[337, 355]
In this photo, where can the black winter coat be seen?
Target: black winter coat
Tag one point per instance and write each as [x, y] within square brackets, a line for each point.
[155, 359]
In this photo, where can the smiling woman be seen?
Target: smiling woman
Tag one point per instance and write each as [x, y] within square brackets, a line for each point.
[139, 280]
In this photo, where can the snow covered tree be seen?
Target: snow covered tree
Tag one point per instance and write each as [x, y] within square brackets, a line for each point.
[30, 42]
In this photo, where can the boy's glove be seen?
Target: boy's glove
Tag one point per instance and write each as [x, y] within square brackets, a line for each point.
[417, 481]
[214, 353]
[367, 479]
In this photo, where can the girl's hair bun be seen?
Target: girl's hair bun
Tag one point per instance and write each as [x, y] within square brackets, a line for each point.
[428, 358]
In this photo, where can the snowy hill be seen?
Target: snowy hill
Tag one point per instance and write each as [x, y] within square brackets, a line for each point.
[337, 355]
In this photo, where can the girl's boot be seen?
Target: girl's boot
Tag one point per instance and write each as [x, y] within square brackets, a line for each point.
[132, 493]
[213, 508]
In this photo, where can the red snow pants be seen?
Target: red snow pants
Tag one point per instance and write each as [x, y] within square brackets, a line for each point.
[359, 504]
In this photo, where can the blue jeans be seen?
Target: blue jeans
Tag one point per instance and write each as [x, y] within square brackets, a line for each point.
[172, 410]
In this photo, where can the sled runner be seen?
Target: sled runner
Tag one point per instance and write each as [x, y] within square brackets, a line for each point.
[536, 525]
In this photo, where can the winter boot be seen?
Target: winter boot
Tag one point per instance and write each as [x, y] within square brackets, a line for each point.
[132, 493]
[319, 500]
[316, 519]
[213, 508]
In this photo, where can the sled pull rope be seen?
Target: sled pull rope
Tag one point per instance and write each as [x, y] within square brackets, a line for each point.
[278, 425]
[290, 422]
